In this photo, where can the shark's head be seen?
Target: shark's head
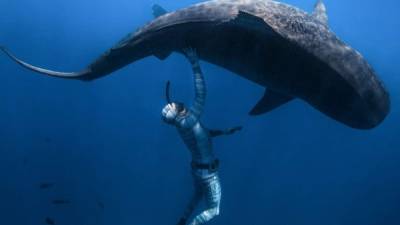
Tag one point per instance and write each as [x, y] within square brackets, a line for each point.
[336, 79]
[349, 88]
[339, 82]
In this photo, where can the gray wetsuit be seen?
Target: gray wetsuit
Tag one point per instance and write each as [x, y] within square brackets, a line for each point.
[198, 139]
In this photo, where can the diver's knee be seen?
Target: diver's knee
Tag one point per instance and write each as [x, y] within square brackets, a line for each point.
[217, 211]
[214, 212]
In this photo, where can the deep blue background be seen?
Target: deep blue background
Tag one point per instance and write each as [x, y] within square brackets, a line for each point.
[104, 141]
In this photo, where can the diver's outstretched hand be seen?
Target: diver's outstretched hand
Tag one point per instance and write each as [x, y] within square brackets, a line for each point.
[234, 129]
[191, 55]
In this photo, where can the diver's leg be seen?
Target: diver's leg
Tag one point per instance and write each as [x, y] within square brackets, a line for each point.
[212, 193]
[192, 205]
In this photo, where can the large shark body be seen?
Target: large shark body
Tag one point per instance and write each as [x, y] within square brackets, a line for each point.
[290, 52]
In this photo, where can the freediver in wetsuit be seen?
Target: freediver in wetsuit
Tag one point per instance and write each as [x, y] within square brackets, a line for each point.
[199, 141]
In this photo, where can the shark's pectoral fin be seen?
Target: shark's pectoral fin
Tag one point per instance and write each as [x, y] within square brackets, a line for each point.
[270, 101]
[320, 12]
[158, 11]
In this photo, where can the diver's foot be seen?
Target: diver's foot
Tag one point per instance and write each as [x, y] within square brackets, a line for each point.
[182, 221]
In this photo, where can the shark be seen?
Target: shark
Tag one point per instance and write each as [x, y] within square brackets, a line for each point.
[292, 53]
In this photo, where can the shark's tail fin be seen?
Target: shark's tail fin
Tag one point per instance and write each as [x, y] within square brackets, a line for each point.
[71, 75]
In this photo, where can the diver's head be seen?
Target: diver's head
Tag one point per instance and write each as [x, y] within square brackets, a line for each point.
[172, 110]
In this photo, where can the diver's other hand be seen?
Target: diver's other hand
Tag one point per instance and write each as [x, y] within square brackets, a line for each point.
[191, 54]
[182, 221]
[234, 129]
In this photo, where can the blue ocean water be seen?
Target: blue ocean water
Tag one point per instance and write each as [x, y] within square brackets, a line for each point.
[104, 147]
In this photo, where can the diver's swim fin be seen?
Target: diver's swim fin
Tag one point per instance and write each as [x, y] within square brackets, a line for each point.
[158, 10]
[270, 101]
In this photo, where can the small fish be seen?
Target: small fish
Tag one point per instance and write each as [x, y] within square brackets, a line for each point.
[60, 202]
[48, 140]
[46, 185]
[50, 221]
[100, 204]
[25, 161]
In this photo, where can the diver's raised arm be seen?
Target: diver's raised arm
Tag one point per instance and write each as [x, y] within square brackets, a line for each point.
[199, 83]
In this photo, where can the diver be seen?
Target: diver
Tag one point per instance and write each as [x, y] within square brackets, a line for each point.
[199, 141]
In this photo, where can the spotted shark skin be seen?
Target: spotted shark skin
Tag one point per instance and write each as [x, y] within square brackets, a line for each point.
[292, 53]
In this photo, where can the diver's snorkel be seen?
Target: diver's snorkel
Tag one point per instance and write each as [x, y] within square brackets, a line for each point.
[180, 107]
[167, 96]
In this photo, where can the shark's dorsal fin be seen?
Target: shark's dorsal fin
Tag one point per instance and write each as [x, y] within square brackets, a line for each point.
[270, 101]
[320, 12]
[158, 11]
